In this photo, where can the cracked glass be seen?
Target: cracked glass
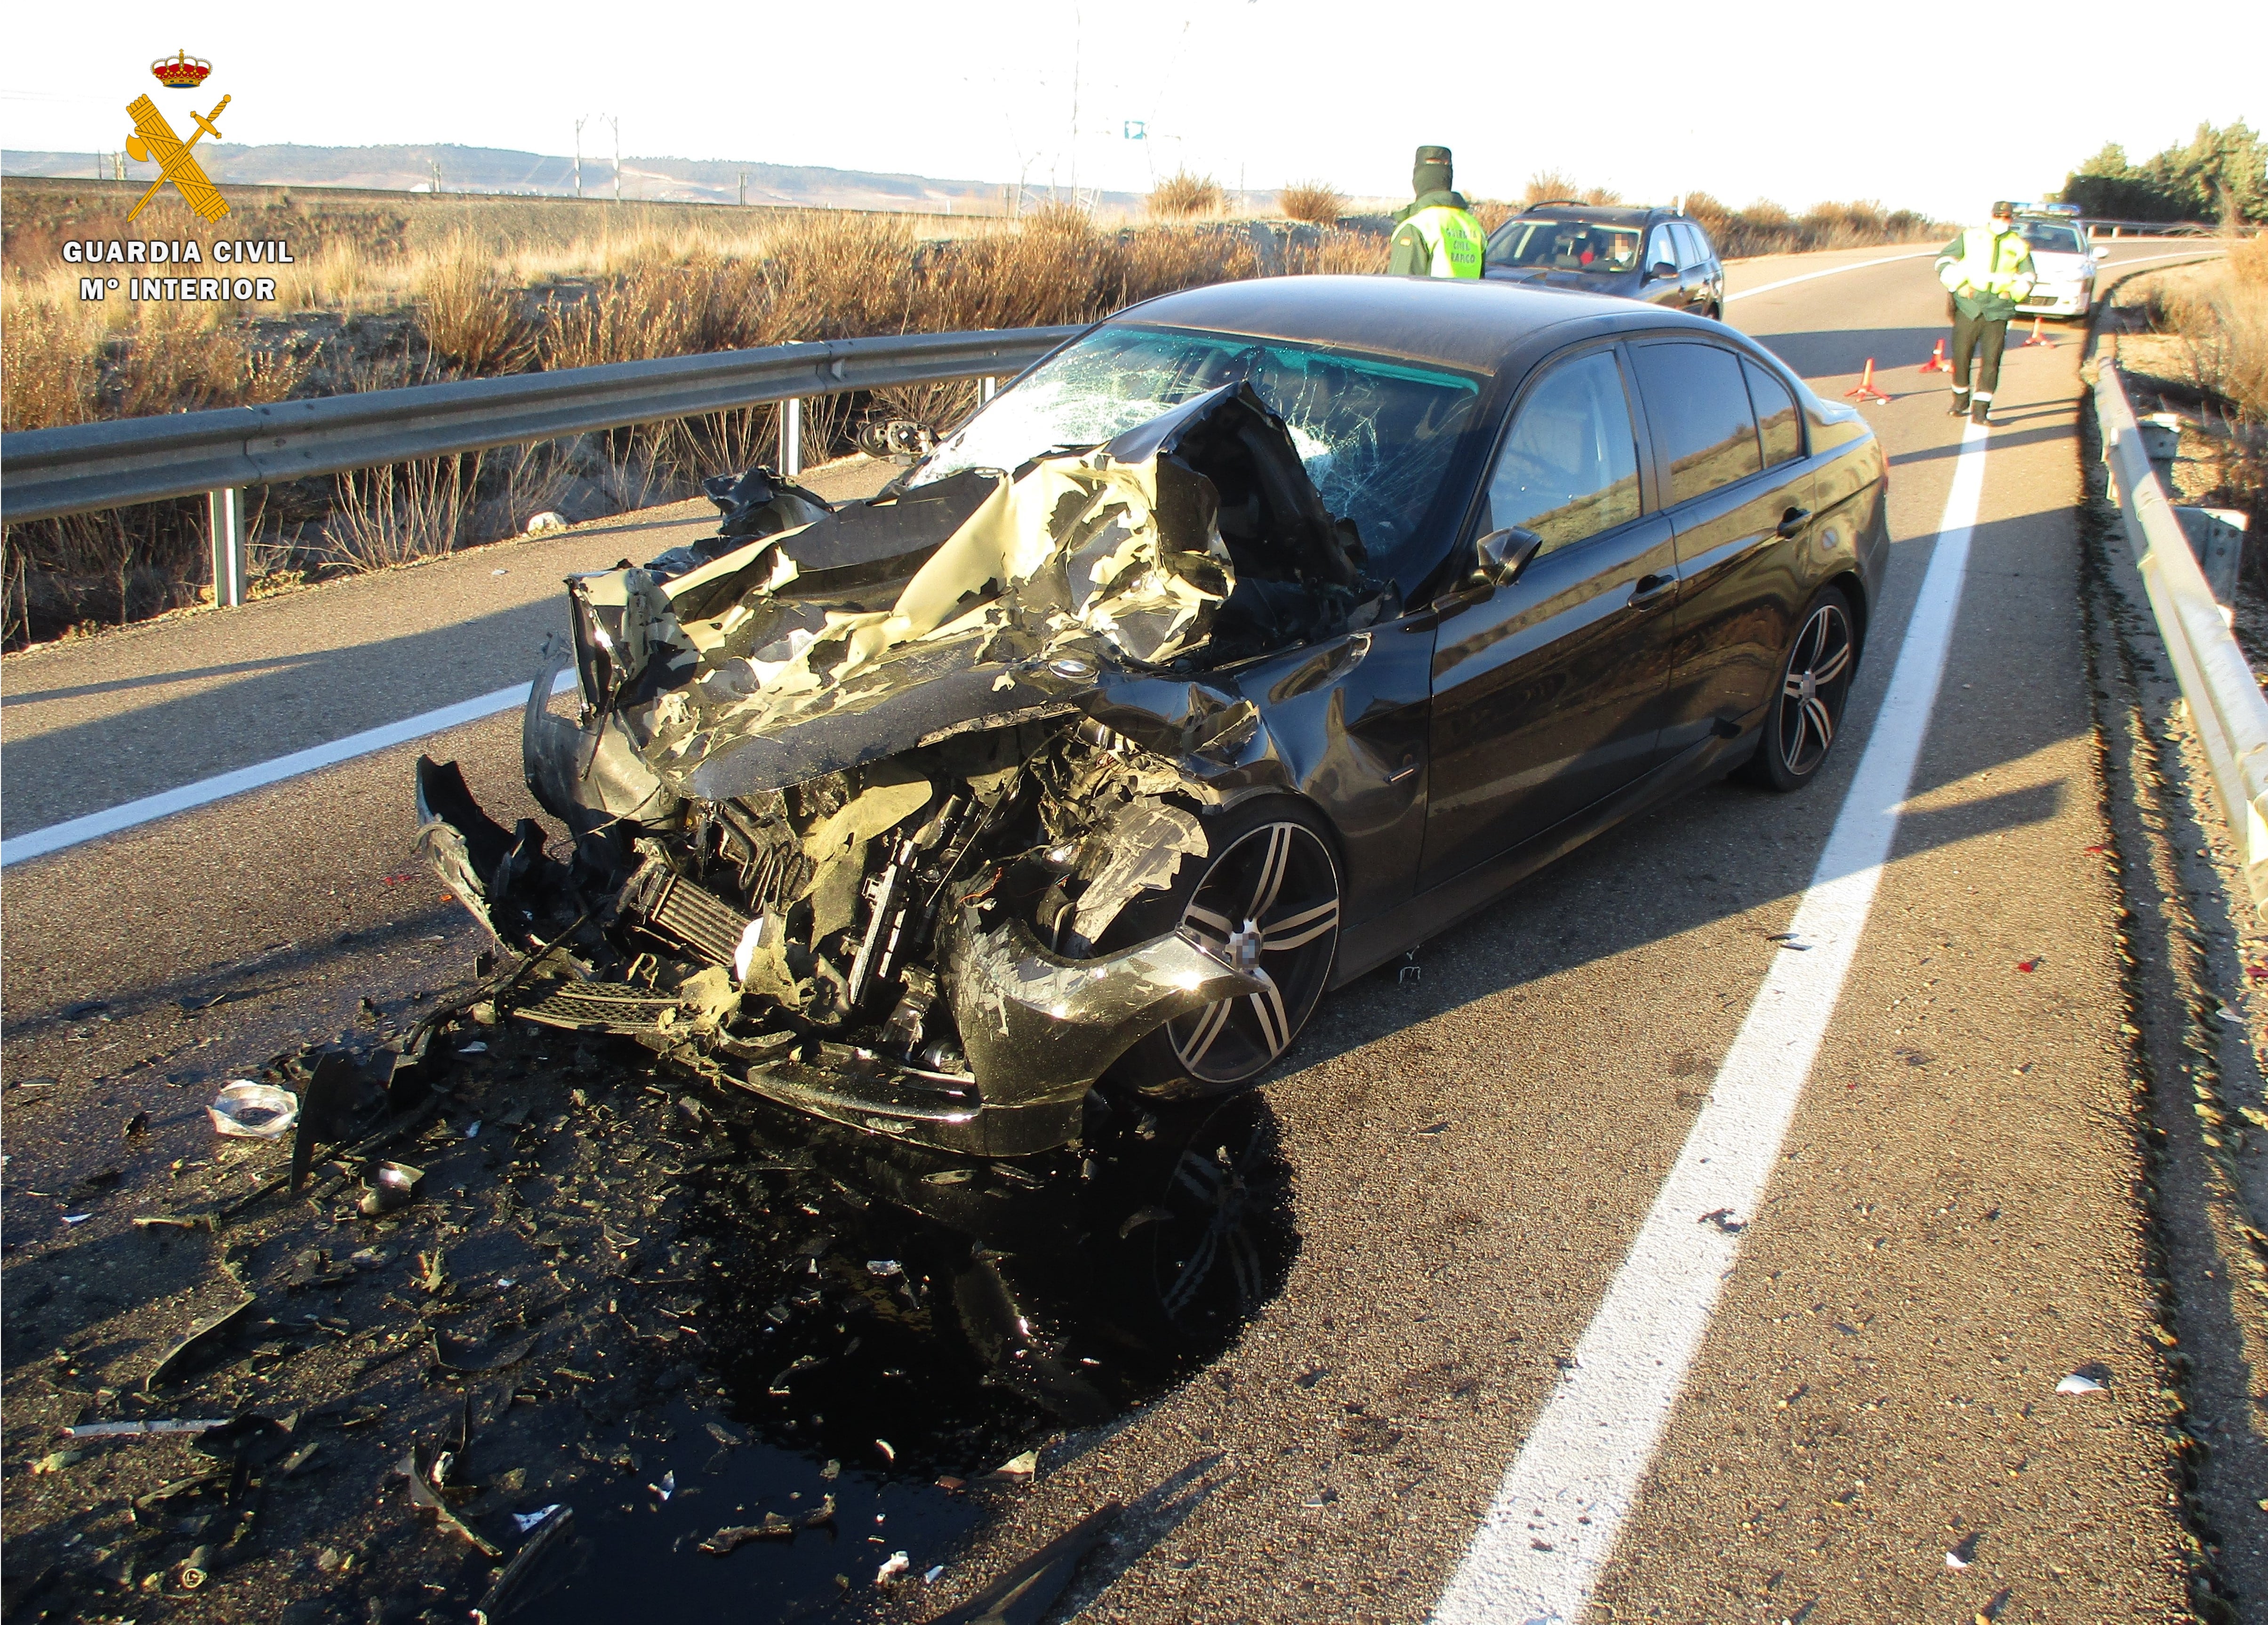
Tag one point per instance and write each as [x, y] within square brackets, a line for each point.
[1375, 436]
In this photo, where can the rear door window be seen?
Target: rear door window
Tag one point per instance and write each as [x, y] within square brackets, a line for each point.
[1661, 249]
[1569, 468]
[1695, 246]
[1698, 407]
[1782, 432]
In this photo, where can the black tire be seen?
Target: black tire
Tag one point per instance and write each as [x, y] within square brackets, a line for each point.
[1806, 717]
[1269, 862]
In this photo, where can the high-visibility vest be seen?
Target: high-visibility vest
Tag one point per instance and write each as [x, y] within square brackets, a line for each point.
[1997, 263]
[1454, 238]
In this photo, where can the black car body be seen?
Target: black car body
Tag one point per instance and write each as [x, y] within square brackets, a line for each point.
[1655, 255]
[1254, 636]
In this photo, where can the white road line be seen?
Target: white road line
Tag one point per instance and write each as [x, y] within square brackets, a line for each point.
[1832, 270]
[1545, 1540]
[55, 837]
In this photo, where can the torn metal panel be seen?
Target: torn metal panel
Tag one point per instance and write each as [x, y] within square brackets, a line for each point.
[1036, 1025]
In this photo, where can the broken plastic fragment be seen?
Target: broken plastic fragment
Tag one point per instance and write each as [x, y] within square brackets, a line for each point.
[895, 1564]
[883, 1445]
[135, 1429]
[245, 1110]
[1019, 1466]
[884, 1267]
[529, 1520]
[667, 1487]
[2077, 1384]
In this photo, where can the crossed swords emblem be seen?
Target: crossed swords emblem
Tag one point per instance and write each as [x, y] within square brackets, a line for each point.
[154, 137]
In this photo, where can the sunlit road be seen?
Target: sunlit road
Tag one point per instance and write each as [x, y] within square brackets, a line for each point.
[1951, 1225]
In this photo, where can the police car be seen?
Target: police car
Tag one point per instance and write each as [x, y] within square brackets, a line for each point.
[2062, 259]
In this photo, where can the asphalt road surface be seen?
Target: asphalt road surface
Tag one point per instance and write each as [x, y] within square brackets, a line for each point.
[1843, 1405]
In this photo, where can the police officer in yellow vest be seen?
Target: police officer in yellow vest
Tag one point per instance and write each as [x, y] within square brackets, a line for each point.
[1988, 271]
[1436, 236]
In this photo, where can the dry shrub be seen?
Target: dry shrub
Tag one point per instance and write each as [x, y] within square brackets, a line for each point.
[48, 371]
[468, 315]
[1313, 200]
[1341, 254]
[1185, 196]
[1492, 212]
[402, 512]
[2247, 261]
[1548, 185]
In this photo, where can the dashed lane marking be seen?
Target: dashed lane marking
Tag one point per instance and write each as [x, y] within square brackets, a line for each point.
[1554, 1524]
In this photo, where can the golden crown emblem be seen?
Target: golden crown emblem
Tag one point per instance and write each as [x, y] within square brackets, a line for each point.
[181, 71]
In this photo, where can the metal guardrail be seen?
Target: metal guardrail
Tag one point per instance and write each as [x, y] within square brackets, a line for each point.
[48, 473]
[2224, 697]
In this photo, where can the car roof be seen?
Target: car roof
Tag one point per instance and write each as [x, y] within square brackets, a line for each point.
[1605, 214]
[1473, 325]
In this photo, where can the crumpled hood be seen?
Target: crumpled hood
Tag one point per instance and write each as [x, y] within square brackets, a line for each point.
[1025, 593]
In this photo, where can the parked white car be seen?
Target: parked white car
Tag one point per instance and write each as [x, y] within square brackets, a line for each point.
[2062, 259]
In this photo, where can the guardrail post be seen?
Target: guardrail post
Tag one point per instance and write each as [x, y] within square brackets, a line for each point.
[985, 387]
[224, 513]
[791, 437]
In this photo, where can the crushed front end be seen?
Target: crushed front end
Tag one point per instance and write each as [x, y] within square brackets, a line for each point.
[841, 829]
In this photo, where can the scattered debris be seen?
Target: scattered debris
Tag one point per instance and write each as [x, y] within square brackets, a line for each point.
[2030, 965]
[773, 1528]
[1029, 1589]
[1723, 1219]
[57, 1461]
[667, 1487]
[893, 1566]
[2079, 1382]
[245, 1110]
[423, 1494]
[546, 1536]
[136, 1430]
[200, 1337]
[530, 1520]
[392, 1185]
[1019, 1466]
[1962, 1556]
[883, 1445]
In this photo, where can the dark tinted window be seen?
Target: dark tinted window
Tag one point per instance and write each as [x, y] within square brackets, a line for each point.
[1695, 244]
[1783, 435]
[1700, 413]
[1661, 249]
[1569, 468]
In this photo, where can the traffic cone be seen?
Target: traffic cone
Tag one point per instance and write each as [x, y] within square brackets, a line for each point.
[2037, 337]
[1937, 363]
[1866, 391]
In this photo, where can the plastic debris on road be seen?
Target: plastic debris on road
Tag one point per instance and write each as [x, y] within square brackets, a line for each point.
[893, 1566]
[139, 1429]
[245, 1110]
[1019, 1466]
[530, 1520]
[2078, 1382]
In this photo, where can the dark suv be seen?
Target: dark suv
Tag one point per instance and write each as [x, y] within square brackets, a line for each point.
[1595, 247]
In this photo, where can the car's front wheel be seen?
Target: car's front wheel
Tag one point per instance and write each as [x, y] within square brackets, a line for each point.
[1266, 896]
[1814, 685]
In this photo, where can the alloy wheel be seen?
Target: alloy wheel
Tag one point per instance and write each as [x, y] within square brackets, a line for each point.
[1268, 904]
[1813, 691]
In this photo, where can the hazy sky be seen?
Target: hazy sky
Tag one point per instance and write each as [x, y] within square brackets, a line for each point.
[1792, 103]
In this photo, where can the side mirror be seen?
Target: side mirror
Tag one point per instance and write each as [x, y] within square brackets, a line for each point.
[1502, 555]
[1662, 268]
[896, 439]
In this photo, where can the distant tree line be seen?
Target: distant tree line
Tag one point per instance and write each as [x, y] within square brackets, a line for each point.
[2221, 175]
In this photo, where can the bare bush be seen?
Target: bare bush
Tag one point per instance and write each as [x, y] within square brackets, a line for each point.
[1341, 254]
[1314, 201]
[1183, 196]
[48, 370]
[401, 513]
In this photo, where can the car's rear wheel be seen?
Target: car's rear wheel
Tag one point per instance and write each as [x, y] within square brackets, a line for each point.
[1267, 897]
[1814, 684]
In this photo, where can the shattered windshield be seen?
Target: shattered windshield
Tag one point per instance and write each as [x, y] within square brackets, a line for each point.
[1375, 436]
[1566, 245]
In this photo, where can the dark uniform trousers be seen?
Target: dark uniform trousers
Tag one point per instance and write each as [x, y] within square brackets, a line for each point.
[1983, 338]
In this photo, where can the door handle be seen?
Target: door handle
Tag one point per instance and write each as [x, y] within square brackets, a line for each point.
[1650, 588]
[1792, 521]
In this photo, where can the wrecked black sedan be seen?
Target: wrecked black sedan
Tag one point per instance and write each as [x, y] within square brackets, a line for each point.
[1253, 637]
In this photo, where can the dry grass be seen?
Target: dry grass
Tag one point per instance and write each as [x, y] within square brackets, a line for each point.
[1183, 196]
[468, 313]
[1315, 202]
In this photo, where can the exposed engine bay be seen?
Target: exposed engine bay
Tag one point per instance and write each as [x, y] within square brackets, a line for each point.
[872, 810]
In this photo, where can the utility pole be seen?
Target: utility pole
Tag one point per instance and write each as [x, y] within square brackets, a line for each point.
[617, 126]
[744, 189]
[579, 153]
[437, 177]
[1078, 39]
